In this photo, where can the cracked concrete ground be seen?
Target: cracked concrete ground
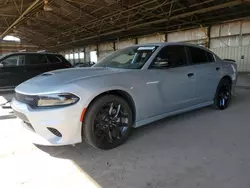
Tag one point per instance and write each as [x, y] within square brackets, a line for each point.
[204, 148]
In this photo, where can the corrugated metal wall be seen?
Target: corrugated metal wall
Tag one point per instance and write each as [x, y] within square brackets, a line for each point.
[151, 39]
[228, 40]
[193, 36]
[232, 41]
[105, 49]
[124, 43]
[241, 54]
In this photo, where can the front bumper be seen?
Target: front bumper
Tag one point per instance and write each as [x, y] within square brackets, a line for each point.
[43, 124]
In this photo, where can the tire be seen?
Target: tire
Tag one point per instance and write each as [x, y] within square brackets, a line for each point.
[223, 94]
[101, 128]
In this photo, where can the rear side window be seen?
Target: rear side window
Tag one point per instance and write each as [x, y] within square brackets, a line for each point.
[198, 55]
[36, 59]
[54, 58]
[210, 57]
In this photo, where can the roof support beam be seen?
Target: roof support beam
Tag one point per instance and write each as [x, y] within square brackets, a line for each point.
[125, 25]
[176, 17]
[79, 9]
[35, 3]
[17, 9]
[80, 2]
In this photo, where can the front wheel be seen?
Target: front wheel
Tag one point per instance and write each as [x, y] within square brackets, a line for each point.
[223, 96]
[108, 122]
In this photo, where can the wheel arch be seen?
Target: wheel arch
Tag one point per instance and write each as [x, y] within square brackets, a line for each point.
[121, 93]
[227, 77]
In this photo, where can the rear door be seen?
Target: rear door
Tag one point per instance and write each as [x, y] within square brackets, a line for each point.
[12, 71]
[207, 73]
[57, 62]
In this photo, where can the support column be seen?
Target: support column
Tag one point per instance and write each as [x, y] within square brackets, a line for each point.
[114, 47]
[208, 36]
[166, 37]
[87, 55]
[97, 51]
[136, 40]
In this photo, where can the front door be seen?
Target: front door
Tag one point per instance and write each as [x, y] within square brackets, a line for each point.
[174, 79]
[12, 71]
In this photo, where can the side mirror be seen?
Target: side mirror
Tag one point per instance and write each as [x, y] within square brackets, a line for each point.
[1, 65]
[161, 63]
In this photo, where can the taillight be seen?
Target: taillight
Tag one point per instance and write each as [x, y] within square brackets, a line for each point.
[68, 65]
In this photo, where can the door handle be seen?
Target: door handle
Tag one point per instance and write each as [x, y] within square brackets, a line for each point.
[190, 75]
[217, 68]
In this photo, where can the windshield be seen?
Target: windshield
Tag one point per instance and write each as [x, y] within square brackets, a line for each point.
[2, 56]
[129, 58]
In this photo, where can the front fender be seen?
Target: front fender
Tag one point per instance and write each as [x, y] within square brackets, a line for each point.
[113, 88]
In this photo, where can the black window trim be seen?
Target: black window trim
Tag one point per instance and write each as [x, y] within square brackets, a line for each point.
[186, 54]
[57, 56]
[37, 64]
[25, 58]
[207, 51]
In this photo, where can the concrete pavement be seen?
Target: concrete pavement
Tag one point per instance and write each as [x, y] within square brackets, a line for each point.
[204, 148]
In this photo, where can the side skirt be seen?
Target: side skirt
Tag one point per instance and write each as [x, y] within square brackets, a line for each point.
[161, 116]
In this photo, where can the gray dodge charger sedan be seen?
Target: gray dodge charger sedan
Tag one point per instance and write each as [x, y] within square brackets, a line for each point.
[129, 88]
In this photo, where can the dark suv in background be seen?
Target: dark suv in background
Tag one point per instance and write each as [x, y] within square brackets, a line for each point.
[18, 67]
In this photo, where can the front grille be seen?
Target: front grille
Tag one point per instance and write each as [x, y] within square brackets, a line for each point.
[30, 100]
[54, 131]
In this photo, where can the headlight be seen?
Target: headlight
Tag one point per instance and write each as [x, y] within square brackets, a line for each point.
[62, 99]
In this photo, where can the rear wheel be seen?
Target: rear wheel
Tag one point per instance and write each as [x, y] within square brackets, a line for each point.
[108, 122]
[222, 97]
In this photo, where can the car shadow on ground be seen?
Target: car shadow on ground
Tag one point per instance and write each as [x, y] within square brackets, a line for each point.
[150, 145]
[168, 121]
[143, 144]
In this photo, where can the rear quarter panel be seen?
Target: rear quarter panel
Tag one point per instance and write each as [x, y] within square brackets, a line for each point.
[229, 68]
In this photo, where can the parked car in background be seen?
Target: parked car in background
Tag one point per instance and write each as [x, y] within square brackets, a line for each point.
[129, 88]
[18, 67]
[84, 64]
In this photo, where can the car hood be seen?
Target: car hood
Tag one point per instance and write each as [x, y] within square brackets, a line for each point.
[64, 76]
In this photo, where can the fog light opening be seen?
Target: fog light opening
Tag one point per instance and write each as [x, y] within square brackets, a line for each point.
[54, 131]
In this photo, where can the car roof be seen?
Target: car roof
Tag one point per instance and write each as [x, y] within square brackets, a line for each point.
[25, 53]
[170, 43]
[16, 53]
[162, 44]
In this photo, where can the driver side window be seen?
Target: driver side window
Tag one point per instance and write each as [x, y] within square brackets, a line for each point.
[170, 57]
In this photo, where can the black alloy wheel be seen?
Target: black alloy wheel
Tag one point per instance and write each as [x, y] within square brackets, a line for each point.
[223, 95]
[108, 122]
